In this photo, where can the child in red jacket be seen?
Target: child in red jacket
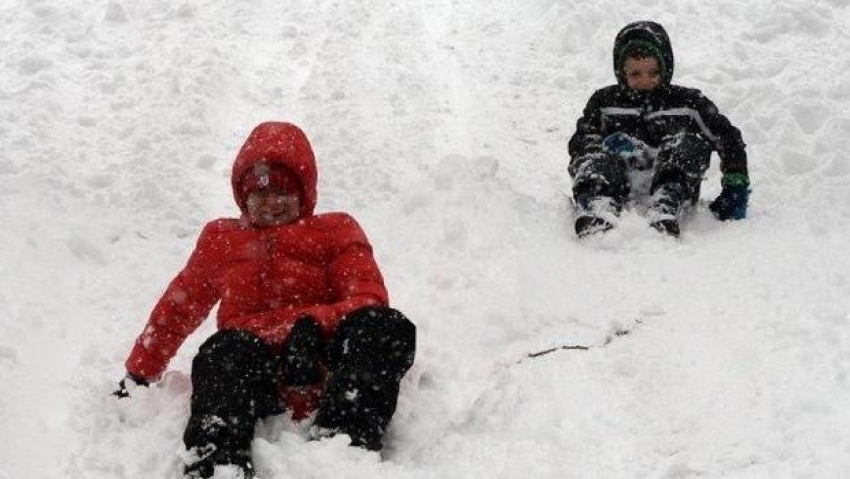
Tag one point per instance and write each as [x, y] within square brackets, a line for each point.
[302, 305]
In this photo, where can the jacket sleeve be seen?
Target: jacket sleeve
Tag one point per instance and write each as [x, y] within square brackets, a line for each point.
[185, 304]
[727, 139]
[587, 138]
[355, 279]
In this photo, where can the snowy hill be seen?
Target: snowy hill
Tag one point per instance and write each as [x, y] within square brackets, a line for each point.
[441, 126]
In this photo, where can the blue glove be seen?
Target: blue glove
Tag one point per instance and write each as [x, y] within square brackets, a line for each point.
[731, 204]
[619, 143]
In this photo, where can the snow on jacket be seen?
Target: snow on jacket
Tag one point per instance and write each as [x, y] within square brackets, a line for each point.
[265, 278]
[657, 114]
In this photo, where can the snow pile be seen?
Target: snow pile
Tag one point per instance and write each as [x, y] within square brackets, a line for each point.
[442, 127]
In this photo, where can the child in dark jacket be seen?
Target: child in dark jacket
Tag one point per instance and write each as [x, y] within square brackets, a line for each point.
[646, 124]
[302, 313]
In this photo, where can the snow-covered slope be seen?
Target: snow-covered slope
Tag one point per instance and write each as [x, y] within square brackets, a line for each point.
[441, 126]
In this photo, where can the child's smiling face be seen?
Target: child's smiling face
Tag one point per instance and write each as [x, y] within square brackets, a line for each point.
[642, 73]
[272, 207]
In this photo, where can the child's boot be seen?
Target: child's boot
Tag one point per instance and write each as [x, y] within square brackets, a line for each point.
[667, 205]
[595, 214]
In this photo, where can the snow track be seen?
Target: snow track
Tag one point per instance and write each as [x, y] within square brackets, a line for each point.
[441, 126]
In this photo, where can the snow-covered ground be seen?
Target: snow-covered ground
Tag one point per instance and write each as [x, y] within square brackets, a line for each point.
[441, 126]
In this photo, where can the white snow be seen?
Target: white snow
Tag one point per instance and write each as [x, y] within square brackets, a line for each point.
[442, 127]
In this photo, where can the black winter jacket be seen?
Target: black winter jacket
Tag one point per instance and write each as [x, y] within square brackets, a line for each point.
[664, 112]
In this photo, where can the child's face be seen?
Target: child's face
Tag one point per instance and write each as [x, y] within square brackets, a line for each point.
[272, 207]
[642, 73]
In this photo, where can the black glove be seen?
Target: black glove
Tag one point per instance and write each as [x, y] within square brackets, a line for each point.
[122, 392]
[302, 353]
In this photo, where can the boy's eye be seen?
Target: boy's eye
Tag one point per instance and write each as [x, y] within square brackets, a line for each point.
[634, 74]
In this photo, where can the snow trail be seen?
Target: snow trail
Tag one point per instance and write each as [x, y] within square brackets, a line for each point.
[441, 126]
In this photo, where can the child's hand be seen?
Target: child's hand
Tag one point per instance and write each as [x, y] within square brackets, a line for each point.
[636, 153]
[619, 143]
[731, 204]
[124, 384]
[302, 353]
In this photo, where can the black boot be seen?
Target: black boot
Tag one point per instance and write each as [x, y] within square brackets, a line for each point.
[204, 466]
[669, 226]
[595, 214]
[667, 206]
[588, 224]
[368, 358]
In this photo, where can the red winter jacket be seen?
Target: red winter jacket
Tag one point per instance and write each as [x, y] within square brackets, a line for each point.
[265, 278]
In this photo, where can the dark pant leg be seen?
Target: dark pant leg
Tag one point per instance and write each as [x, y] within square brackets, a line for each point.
[682, 160]
[372, 350]
[234, 383]
[599, 175]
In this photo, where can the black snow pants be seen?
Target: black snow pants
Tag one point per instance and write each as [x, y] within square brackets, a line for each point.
[235, 379]
[234, 383]
[367, 359]
[682, 159]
